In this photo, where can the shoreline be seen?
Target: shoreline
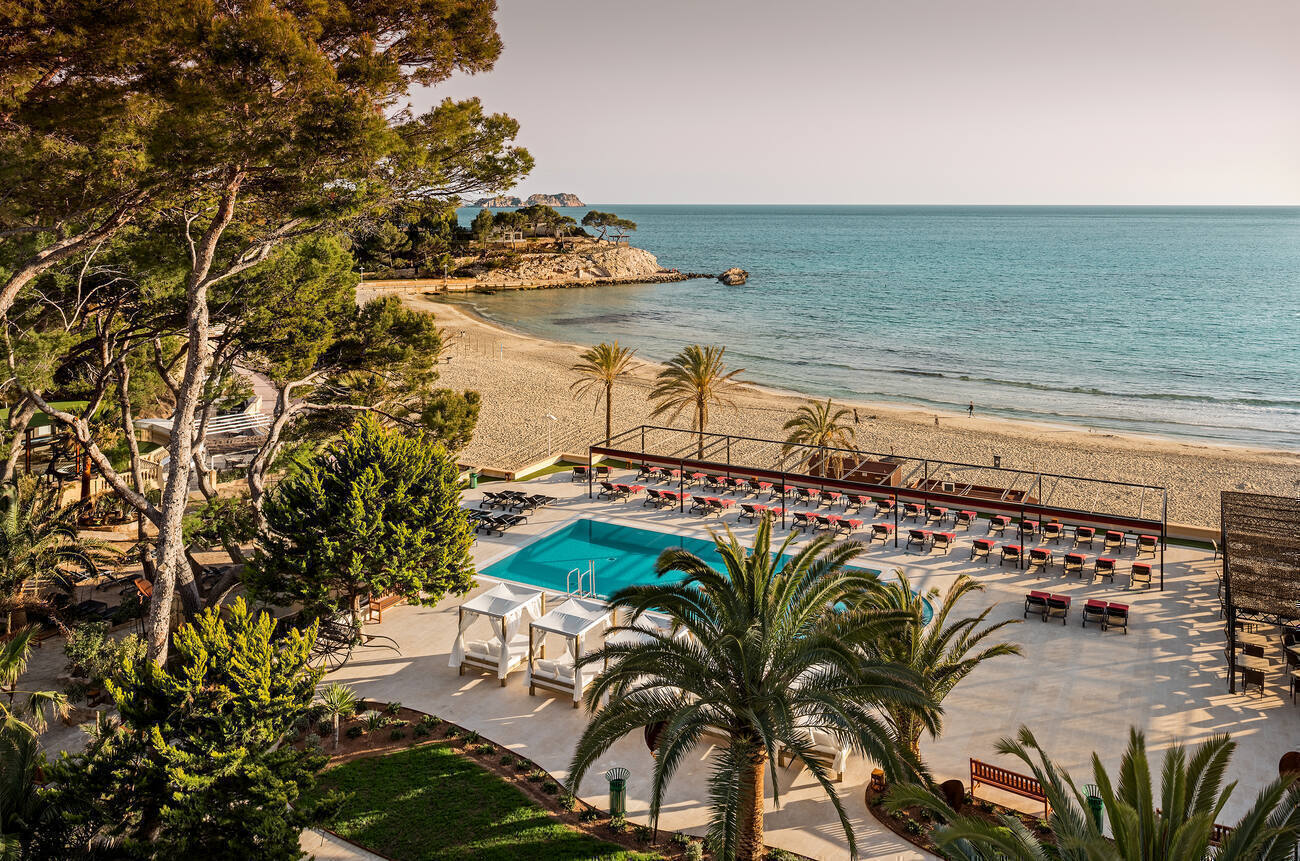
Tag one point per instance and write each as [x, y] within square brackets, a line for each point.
[900, 408]
[525, 379]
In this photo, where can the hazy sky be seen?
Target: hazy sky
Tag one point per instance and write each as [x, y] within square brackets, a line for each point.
[903, 101]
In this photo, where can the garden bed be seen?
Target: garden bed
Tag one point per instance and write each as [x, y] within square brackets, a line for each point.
[914, 824]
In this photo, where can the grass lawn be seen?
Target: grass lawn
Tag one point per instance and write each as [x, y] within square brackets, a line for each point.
[431, 802]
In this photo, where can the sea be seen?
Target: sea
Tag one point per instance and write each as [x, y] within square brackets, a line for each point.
[1182, 322]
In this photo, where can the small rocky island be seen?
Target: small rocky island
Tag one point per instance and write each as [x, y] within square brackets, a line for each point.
[734, 277]
[503, 201]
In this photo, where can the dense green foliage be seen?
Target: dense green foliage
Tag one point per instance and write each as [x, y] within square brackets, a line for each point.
[198, 765]
[431, 802]
[377, 512]
[605, 221]
[1172, 824]
[765, 661]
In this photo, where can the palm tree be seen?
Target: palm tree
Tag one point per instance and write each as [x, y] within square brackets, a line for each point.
[940, 654]
[14, 654]
[762, 657]
[602, 366]
[339, 703]
[40, 545]
[1178, 825]
[696, 378]
[819, 425]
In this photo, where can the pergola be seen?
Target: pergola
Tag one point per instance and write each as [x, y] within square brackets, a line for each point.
[1260, 537]
[1017, 492]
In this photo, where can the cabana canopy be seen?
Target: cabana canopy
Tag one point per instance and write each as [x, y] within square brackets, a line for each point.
[573, 620]
[507, 605]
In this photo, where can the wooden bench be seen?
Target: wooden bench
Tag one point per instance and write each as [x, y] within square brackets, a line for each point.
[375, 607]
[1009, 781]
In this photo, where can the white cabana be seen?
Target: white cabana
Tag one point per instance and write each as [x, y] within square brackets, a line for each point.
[572, 620]
[506, 606]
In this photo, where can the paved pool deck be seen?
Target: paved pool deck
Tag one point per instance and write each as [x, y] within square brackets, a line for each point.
[1078, 689]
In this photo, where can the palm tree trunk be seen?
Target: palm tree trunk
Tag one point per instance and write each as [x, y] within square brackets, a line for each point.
[609, 412]
[699, 425]
[749, 846]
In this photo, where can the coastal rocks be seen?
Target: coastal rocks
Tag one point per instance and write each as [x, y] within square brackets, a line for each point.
[501, 201]
[593, 262]
[734, 277]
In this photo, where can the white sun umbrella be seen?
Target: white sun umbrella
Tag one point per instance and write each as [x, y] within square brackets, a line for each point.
[506, 606]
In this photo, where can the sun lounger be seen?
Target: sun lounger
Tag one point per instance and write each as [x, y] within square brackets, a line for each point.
[627, 491]
[1040, 556]
[918, 536]
[647, 471]
[805, 494]
[850, 524]
[1094, 611]
[1084, 535]
[1028, 528]
[1117, 616]
[602, 471]
[981, 548]
[696, 478]
[1073, 563]
[699, 505]
[499, 523]
[717, 506]
[580, 473]
[659, 498]
[830, 497]
[881, 532]
[964, 519]
[858, 501]
[532, 503]
[1146, 545]
[1053, 531]
[1115, 540]
[1140, 573]
[607, 490]
[751, 511]
[715, 482]
[884, 506]
[827, 522]
[998, 524]
[1104, 567]
[760, 486]
[1037, 602]
[1011, 553]
[942, 541]
[495, 500]
[913, 511]
[737, 484]
[935, 514]
[1058, 605]
[803, 520]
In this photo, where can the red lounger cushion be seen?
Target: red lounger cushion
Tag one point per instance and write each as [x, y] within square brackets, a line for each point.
[1121, 607]
[1074, 557]
[983, 543]
[1042, 595]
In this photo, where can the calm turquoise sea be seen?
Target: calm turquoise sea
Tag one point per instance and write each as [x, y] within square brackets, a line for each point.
[1181, 322]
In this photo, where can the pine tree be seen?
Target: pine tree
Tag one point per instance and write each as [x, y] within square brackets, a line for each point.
[198, 766]
[377, 512]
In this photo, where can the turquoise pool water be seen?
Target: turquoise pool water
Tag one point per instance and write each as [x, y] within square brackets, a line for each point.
[621, 555]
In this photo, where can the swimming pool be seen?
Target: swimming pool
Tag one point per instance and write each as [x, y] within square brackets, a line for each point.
[620, 556]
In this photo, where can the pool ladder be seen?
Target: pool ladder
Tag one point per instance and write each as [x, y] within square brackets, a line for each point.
[589, 576]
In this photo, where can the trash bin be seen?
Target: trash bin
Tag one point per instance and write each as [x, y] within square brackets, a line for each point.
[1094, 803]
[617, 778]
[473, 478]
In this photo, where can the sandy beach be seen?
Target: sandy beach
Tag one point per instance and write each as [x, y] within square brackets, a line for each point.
[524, 380]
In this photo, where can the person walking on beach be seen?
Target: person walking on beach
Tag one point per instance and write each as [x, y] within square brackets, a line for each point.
[970, 410]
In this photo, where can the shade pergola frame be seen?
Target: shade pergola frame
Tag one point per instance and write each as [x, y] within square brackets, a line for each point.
[572, 620]
[1259, 536]
[499, 604]
[726, 455]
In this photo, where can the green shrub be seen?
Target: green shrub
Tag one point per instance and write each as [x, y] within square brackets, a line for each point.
[392, 708]
[1043, 827]
[419, 732]
[589, 814]
[780, 855]
[536, 776]
[643, 833]
[473, 737]
[567, 801]
[680, 839]
[397, 734]
[373, 720]
[355, 731]
[521, 764]
[695, 851]
[324, 728]
[484, 749]
[550, 787]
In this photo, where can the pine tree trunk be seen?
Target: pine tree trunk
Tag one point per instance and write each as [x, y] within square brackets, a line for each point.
[749, 846]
